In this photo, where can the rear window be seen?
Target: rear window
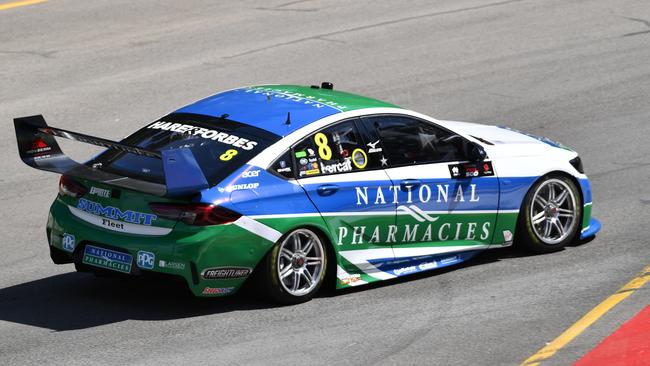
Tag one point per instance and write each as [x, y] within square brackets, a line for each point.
[219, 145]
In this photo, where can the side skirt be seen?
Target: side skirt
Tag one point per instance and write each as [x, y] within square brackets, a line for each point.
[350, 275]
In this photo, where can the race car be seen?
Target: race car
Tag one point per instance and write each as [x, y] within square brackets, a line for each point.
[294, 185]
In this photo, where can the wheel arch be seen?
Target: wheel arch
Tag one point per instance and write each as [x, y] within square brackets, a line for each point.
[551, 173]
[556, 173]
[332, 254]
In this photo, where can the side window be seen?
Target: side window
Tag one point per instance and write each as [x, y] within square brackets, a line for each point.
[411, 141]
[336, 149]
[283, 166]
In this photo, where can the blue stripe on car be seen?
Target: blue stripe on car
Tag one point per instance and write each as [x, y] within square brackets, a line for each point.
[262, 109]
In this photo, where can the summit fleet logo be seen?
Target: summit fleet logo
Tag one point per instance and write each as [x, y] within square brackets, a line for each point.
[115, 213]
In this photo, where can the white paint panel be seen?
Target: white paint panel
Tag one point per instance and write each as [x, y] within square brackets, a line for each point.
[417, 252]
[360, 259]
[377, 213]
[358, 176]
[258, 228]
[516, 155]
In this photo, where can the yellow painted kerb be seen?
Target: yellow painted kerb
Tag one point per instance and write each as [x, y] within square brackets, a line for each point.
[588, 319]
[16, 4]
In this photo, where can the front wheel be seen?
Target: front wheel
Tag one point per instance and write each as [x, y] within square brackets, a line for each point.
[294, 270]
[550, 214]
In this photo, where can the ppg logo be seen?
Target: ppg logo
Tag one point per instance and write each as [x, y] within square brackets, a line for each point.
[68, 242]
[146, 259]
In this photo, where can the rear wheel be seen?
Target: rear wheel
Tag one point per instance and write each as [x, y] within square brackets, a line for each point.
[294, 269]
[550, 214]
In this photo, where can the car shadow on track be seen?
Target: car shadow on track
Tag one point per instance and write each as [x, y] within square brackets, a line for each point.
[79, 300]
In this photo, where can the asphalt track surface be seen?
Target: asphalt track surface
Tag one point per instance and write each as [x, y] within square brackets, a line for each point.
[576, 71]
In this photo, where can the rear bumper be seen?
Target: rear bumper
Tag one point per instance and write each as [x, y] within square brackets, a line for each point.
[185, 252]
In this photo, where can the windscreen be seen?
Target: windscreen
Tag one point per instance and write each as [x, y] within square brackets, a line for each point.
[219, 146]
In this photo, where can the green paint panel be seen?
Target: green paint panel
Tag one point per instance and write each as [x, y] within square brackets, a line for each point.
[505, 222]
[363, 232]
[586, 215]
[231, 245]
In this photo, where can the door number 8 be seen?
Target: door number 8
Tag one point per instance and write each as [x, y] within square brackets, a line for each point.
[324, 150]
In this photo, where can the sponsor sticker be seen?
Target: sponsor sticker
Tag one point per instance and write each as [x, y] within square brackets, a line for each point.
[217, 290]
[238, 187]
[507, 235]
[171, 265]
[251, 174]
[449, 260]
[225, 273]
[301, 154]
[314, 101]
[384, 161]
[205, 133]
[427, 265]
[345, 166]
[106, 193]
[115, 213]
[405, 270]
[108, 259]
[471, 170]
[359, 158]
[146, 260]
[39, 146]
[355, 277]
[373, 147]
[68, 242]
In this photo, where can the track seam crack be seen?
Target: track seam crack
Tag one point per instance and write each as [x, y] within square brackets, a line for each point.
[370, 26]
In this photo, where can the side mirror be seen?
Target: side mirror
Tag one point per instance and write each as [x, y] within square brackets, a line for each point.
[474, 152]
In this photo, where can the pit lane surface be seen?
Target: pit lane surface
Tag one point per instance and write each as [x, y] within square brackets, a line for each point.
[577, 72]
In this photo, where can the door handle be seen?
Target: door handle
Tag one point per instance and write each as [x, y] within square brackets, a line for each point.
[413, 183]
[327, 189]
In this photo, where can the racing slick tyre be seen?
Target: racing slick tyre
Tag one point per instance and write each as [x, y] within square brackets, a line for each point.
[550, 215]
[293, 271]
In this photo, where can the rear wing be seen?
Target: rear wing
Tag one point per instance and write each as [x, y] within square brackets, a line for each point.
[39, 149]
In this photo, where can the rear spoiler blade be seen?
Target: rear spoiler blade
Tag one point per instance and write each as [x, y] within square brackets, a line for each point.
[38, 149]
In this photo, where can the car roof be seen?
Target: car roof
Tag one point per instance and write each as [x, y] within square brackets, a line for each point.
[268, 106]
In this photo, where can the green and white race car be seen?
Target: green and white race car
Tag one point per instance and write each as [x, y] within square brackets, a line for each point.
[294, 184]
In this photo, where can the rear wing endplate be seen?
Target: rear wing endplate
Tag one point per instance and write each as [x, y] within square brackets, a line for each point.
[38, 149]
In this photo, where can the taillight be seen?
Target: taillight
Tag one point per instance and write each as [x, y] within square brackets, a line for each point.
[198, 214]
[70, 187]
